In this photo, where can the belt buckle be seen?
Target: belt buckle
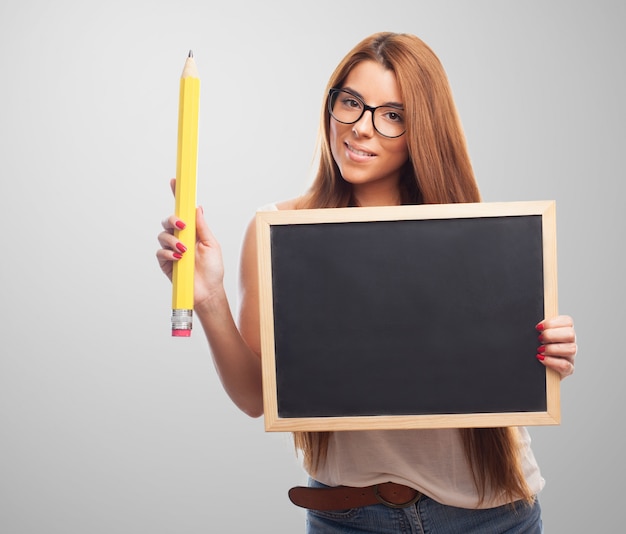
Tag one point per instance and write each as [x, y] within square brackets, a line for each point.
[384, 501]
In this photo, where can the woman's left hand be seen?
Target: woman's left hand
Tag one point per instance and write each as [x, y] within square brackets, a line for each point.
[558, 344]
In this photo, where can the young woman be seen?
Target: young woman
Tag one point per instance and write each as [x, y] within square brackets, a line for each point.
[390, 135]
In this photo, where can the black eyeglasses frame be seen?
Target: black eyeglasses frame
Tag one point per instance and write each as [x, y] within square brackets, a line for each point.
[336, 90]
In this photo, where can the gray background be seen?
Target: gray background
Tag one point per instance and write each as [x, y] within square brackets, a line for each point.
[110, 425]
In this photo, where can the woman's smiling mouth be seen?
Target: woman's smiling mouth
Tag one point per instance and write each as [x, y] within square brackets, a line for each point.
[358, 152]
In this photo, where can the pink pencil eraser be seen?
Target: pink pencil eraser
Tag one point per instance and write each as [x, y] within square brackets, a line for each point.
[181, 333]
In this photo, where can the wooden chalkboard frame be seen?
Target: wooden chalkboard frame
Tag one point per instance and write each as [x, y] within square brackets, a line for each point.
[298, 220]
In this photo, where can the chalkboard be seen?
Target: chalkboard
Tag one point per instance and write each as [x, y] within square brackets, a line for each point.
[407, 317]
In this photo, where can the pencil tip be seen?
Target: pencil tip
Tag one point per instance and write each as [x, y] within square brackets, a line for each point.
[190, 53]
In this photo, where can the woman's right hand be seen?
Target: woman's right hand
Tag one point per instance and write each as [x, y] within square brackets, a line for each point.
[209, 265]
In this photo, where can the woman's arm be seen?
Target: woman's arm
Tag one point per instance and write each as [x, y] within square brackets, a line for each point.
[236, 351]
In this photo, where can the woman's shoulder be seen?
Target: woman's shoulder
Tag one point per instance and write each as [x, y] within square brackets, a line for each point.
[290, 204]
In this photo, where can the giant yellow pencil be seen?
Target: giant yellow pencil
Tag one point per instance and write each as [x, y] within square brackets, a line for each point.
[185, 194]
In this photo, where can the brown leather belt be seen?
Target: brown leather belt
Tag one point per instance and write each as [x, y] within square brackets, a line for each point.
[344, 497]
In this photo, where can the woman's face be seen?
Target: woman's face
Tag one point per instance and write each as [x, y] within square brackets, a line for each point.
[369, 161]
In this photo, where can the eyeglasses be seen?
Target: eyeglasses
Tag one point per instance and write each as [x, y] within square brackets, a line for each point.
[347, 108]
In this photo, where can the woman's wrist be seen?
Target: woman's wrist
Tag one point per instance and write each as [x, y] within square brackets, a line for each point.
[212, 302]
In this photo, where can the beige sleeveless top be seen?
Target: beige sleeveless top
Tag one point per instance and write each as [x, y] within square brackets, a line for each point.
[431, 461]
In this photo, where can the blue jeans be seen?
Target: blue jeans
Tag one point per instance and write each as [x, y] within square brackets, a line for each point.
[426, 516]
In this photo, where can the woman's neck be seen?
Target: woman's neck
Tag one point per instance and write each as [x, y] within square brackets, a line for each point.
[376, 196]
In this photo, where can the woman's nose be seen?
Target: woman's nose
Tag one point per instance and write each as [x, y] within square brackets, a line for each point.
[365, 125]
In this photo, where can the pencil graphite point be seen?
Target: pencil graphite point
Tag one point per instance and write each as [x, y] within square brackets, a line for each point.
[190, 53]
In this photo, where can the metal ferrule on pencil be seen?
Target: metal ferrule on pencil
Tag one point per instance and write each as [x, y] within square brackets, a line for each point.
[181, 321]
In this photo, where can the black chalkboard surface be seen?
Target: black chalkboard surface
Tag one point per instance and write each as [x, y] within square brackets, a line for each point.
[407, 317]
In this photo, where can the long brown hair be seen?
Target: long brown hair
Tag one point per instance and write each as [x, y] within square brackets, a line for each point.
[438, 171]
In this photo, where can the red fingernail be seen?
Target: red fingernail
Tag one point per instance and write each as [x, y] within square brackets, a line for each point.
[541, 349]
[541, 357]
[540, 337]
[539, 327]
[181, 247]
[180, 225]
[177, 255]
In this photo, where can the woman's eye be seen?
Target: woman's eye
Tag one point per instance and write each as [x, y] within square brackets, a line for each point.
[394, 116]
[351, 103]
